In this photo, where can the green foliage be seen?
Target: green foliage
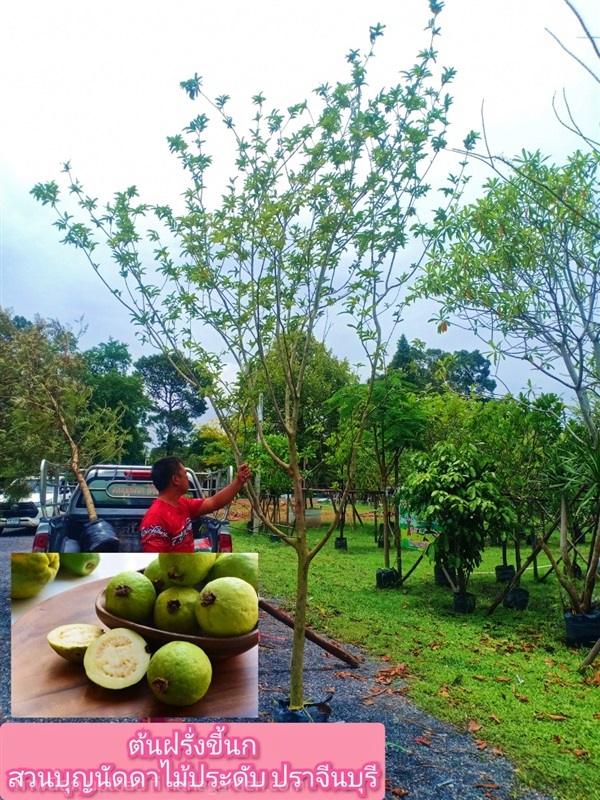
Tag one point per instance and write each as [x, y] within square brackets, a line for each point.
[456, 488]
[520, 267]
[174, 403]
[466, 372]
[45, 407]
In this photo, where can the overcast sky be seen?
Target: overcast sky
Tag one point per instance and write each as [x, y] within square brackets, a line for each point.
[98, 84]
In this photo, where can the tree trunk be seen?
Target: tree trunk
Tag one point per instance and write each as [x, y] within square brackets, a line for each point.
[297, 666]
[591, 574]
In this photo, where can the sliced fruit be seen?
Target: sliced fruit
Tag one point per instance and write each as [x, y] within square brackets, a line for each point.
[117, 659]
[71, 641]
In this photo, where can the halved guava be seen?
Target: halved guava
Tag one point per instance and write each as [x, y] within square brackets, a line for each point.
[71, 641]
[117, 659]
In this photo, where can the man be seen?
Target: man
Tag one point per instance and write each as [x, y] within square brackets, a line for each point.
[167, 526]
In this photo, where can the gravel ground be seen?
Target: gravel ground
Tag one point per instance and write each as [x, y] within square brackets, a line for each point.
[426, 759]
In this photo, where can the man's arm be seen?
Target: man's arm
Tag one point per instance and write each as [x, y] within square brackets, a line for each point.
[226, 495]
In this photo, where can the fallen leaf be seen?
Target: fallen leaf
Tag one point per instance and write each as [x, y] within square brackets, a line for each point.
[481, 745]
[473, 726]
[435, 645]
[557, 717]
[386, 658]
[479, 678]
[487, 786]
[368, 702]
[497, 751]
[495, 718]
[444, 691]
[422, 740]
[580, 753]
[400, 792]
[556, 739]
[521, 698]
[501, 679]
[350, 675]
[597, 716]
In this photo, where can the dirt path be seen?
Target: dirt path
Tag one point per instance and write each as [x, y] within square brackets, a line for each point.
[426, 759]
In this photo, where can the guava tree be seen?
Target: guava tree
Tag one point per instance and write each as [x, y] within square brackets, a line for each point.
[322, 201]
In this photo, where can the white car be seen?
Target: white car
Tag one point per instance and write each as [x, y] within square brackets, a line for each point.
[28, 511]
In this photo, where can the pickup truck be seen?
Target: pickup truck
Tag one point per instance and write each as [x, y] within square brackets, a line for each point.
[122, 494]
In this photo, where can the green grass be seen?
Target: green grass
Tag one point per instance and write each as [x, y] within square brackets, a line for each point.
[508, 672]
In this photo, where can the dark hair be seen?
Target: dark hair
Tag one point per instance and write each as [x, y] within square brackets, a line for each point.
[163, 470]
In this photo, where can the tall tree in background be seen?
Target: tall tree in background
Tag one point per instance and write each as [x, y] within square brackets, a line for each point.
[108, 365]
[175, 404]
[464, 371]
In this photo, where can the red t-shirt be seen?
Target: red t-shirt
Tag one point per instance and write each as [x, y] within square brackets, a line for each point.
[168, 529]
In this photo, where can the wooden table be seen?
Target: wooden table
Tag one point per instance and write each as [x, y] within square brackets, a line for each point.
[46, 685]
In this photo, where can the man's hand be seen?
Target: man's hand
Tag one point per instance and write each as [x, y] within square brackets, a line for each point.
[244, 474]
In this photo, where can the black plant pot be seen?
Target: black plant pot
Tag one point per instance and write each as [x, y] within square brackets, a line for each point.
[504, 574]
[310, 712]
[387, 578]
[99, 537]
[582, 629]
[464, 603]
[341, 543]
[274, 538]
[380, 542]
[440, 576]
[516, 598]
[577, 571]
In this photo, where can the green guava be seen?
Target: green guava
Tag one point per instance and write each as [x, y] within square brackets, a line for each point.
[179, 673]
[117, 659]
[175, 610]
[186, 569]
[30, 572]
[227, 607]
[80, 563]
[157, 576]
[71, 641]
[236, 565]
[131, 596]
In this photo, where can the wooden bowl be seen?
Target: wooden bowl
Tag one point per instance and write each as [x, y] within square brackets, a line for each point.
[216, 647]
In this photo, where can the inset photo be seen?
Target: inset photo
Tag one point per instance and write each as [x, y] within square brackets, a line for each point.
[134, 635]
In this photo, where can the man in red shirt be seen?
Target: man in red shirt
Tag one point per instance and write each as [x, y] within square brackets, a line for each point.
[167, 526]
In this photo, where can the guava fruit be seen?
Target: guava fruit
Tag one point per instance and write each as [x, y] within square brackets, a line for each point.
[179, 673]
[157, 576]
[186, 569]
[71, 641]
[30, 572]
[130, 595]
[117, 659]
[80, 563]
[227, 607]
[175, 610]
[236, 565]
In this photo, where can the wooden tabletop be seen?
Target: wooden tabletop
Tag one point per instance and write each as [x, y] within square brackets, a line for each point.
[45, 685]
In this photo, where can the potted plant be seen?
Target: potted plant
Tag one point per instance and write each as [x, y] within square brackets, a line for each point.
[455, 486]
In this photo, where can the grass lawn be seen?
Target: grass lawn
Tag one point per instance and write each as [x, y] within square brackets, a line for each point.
[507, 678]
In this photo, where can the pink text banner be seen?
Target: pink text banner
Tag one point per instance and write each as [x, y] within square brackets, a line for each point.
[166, 759]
